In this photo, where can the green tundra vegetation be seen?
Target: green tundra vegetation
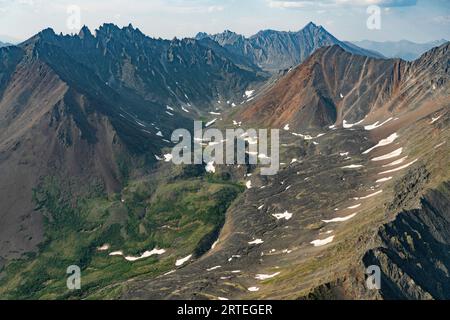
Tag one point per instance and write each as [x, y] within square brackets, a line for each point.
[181, 215]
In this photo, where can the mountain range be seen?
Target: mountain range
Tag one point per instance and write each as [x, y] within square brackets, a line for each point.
[85, 128]
[4, 44]
[276, 50]
[404, 49]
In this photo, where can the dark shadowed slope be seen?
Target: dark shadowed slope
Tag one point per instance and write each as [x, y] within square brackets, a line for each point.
[93, 109]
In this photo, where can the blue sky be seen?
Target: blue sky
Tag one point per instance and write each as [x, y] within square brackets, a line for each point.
[416, 20]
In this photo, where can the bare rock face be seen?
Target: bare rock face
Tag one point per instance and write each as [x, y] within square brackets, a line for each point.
[92, 108]
[334, 87]
[414, 250]
[275, 50]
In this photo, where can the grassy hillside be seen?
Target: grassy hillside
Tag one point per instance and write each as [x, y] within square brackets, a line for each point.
[181, 215]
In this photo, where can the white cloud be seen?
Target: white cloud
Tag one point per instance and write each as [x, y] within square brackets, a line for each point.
[442, 19]
[296, 4]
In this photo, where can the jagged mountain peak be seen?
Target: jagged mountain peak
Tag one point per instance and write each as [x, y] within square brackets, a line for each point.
[278, 50]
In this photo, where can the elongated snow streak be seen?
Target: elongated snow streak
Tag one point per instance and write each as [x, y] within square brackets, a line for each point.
[370, 195]
[319, 243]
[222, 299]
[146, 254]
[355, 206]
[180, 262]
[440, 145]
[399, 168]
[170, 272]
[377, 124]
[347, 125]
[257, 241]
[391, 155]
[214, 268]
[286, 215]
[215, 244]
[103, 247]
[433, 120]
[266, 276]
[353, 166]
[184, 109]
[395, 163]
[343, 219]
[116, 253]
[286, 127]
[383, 180]
[383, 142]
[253, 289]
[211, 122]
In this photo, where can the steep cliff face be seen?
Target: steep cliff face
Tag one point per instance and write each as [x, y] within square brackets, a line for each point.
[414, 250]
[161, 72]
[334, 87]
[277, 50]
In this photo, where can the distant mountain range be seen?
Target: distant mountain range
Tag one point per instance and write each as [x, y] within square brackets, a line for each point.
[4, 44]
[275, 50]
[404, 49]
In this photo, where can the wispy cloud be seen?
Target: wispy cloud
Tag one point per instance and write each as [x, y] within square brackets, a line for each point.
[296, 4]
[444, 20]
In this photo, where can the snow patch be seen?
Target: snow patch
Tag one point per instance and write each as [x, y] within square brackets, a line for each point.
[399, 168]
[319, 243]
[249, 93]
[395, 163]
[286, 215]
[343, 219]
[257, 241]
[377, 125]
[370, 195]
[210, 122]
[214, 268]
[146, 254]
[390, 155]
[383, 180]
[104, 247]
[433, 120]
[353, 166]
[182, 261]
[266, 276]
[383, 142]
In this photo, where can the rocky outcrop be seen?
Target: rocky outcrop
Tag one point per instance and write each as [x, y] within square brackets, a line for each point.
[277, 50]
[414, 250]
